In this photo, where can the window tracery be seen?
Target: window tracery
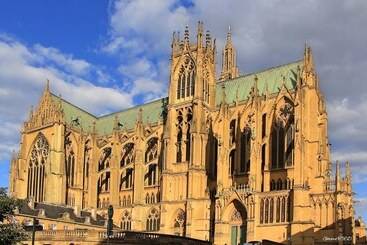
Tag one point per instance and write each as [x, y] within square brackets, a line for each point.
[153, 220]
[246, 150]
[152, 150]
[70, 161]
[126, 221]
[36, 168]
[186, 79]
[127, 154]
[104, 161]
[282, 138]
[151, 177]
[126, 179]
[179, 223]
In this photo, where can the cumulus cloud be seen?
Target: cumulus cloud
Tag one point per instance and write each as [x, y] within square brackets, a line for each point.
[23, 72]
[265, 34]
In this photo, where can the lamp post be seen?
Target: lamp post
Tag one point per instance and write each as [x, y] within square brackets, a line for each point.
[35, 227]
[109, 222]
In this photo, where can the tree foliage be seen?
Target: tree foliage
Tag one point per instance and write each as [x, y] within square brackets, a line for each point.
[10, 231]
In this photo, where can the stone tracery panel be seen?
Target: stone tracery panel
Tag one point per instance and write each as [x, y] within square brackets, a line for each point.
[36, 168]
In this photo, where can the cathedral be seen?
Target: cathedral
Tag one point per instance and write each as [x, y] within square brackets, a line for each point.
[230, 159]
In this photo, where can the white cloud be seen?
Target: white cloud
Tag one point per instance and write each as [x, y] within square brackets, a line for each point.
[76, 66]
[265, 33]
[23, 72]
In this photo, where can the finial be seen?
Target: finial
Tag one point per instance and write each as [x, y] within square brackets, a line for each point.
[47, 85]
[140, 115]
[200, 34]
[187, 35]
[208, 38]
[229, 34]
[224, 93]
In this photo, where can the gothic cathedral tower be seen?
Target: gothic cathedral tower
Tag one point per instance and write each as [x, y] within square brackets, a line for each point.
[191, 99]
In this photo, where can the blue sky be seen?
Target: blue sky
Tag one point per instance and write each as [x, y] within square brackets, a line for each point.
[121, 49]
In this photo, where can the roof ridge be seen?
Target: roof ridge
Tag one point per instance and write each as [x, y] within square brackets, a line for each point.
[261, 71]
[79, 108]
[134, 107]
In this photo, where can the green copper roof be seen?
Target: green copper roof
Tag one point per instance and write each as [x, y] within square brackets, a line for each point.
[270, 79]
[152, 112]
[72, 112]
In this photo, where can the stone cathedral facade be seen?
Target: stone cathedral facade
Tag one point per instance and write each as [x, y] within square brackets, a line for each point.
[231, 159]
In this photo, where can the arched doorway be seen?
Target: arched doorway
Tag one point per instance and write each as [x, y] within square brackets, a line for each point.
[238, 224]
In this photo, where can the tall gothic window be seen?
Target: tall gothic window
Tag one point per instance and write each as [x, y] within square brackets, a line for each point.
[126, 179]
[232, 132]
[186, 80]
[87, 156]
[36, 169]
[127, 155]
[104, 182]
[70, 161]
[179, 142]
[289, 144]
[263, 126]
[152, 150]
[188, 135]
[104, 161]
[245, 150]
[153, 220]
[282, 138]
[151, 175]
[232, 161]
[277, 145]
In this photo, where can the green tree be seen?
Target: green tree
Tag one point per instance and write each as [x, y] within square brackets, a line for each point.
[10, 231]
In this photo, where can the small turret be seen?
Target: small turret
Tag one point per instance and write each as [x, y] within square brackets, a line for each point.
[200, 34]
[229, 61]
[337, 177]
[348, 177]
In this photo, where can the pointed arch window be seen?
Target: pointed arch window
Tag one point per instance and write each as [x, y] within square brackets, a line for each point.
[126, 179]
[152, 150]
[186, 80]
[179, 140]
[232, 159]
[153, 220]
[127, 154]
[104, 160]
[188, 134]
[69, 161]
[179, 223]
[246, 150]
[126, 221]
[150, 177]
[282, 138]
[36, 169]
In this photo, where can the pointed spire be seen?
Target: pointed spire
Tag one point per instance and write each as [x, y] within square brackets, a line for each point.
[187, 34]
[229, 34]
[348, 176]
[348, 172]
[224, 99]
[47, 88]
[208, 39]
[229, 61]
[337, 176]
[31, 112]
[308, 59]
[140, 116]
[174, 40]
[116, 123]
[200, 34]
